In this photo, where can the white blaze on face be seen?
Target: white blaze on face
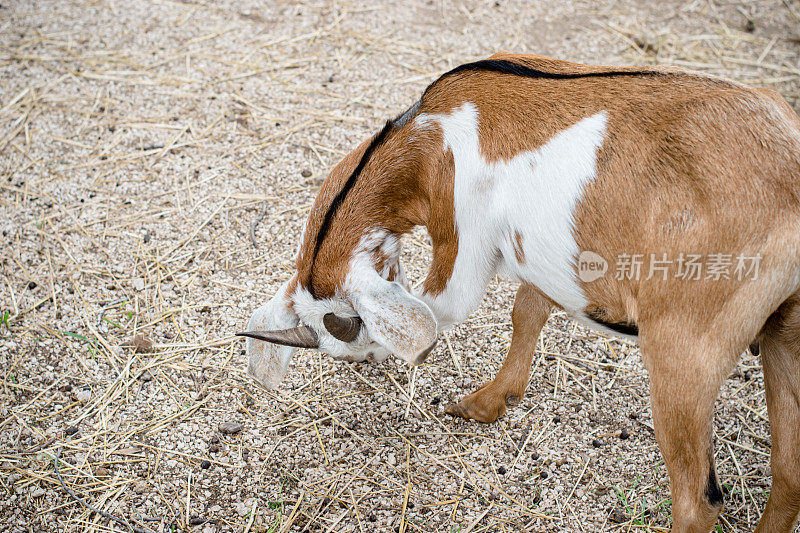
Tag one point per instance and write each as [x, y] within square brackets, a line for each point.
[533, 194]
[267, 362]
[393, 320]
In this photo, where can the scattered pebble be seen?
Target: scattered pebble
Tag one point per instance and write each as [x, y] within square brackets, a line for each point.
[624, 435]
[597, 443]
[146, 376]
[140, 487]
[617, 517]
[205, 464]
[83, 395]
[306, 173]
[230, 428]
[71, 430]
[101, 471]
[142, 343]
[502, 470]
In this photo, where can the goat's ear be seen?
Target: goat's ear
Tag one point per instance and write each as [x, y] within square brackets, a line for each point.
[268, 362]
[397, 320]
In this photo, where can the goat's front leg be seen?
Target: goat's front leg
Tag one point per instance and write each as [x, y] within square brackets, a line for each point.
[531, 310]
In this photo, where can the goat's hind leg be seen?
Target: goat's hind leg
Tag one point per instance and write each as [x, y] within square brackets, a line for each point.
[780, 355]
[685, 378]
[531, 310]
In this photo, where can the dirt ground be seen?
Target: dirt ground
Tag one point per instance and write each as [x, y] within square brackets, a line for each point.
[141, 143]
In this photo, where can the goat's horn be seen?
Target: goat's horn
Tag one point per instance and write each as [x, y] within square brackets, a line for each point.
[343, 328]
[299, 337]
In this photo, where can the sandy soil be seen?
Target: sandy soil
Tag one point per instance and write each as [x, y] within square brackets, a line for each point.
[140, 141]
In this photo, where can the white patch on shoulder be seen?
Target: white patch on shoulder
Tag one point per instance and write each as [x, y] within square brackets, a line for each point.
[533, 193]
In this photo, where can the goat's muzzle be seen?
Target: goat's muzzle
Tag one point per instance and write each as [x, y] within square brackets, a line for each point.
[299, 337]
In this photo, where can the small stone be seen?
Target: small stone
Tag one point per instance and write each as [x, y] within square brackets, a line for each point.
[596, 443]
[230, 428]
[543, 474]
[83, 395]
[38, 492]
[138, 284]
[748, 375]
[624, 435]
[101, 471]
[436, 400]
[214, 439]
[71, 430]
[750, 26]
[633, 415]
[502, 470]
[617, 517]
[306, 173]
[331, 78]
[142, 343]
[205, 464]
[242, 509]
[372, 518]
[556, 419]
[32, 285]
[214, 448]
[140, 487]
[534, 456]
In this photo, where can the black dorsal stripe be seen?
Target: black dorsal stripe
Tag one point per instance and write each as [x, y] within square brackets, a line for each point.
[504, 66]
[337, 201]
[486, 65]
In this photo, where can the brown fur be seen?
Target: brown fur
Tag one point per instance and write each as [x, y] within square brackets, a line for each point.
[689, 164]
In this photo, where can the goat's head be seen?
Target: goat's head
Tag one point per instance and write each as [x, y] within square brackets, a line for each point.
[349, 297]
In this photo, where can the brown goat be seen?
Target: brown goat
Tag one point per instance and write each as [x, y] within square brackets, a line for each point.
[553, 174]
